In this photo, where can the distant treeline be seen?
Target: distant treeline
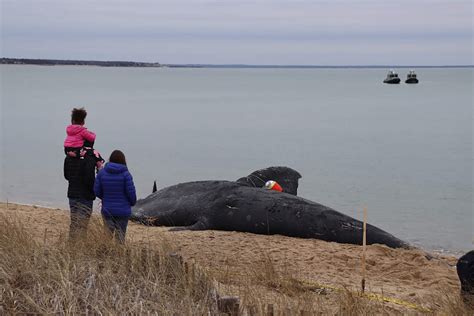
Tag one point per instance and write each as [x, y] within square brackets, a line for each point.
[53, 62]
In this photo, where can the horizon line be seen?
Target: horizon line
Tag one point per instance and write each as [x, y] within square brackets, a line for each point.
[244, 65]
[316, 66]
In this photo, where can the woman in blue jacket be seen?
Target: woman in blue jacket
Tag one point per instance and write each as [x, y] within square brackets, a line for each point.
[114, 186]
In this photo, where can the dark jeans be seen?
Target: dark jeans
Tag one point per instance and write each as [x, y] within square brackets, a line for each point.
[117, 225]
[81, 211]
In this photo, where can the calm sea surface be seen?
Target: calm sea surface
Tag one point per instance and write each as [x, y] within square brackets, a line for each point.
[403, 151]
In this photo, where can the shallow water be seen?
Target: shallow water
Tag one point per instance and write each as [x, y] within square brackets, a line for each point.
[403, 151]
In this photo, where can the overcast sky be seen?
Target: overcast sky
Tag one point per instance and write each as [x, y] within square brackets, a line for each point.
[332, 32]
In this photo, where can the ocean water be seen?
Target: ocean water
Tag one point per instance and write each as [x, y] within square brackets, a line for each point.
[403, 151]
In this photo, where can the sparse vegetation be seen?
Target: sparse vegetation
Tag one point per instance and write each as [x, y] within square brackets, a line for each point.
[96, 275]
[93, 275]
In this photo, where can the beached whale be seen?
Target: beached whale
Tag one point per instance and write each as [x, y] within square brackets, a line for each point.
[245, 206]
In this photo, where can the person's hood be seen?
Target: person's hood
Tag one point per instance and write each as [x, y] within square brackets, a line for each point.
[74, 129]
[112, 167]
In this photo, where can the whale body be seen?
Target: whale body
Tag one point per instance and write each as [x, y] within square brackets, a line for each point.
[245, 206]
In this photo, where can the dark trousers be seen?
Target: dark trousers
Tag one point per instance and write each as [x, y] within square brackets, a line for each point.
[117, 226]
[81, 210]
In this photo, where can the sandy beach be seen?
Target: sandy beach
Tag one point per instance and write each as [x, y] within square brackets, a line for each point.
[406, 277]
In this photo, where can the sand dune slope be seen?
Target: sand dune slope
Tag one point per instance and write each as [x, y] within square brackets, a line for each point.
[232, 257]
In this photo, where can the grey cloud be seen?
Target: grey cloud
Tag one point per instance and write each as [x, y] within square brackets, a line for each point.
[247, 28]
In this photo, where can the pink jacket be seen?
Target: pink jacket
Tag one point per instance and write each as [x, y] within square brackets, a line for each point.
[76, 134]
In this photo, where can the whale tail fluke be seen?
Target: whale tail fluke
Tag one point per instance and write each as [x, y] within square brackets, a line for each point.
[286, 177]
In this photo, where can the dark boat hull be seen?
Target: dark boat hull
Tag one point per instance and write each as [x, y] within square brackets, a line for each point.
[411, 80]
[392, 80]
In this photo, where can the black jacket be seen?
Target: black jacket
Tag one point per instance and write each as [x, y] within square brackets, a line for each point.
[80, 173]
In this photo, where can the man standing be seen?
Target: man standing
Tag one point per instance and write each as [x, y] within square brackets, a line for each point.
[80, 174]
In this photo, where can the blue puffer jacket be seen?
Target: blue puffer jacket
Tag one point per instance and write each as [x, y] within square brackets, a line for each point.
[114, 186]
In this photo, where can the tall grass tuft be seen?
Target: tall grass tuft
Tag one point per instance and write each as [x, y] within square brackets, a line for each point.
[94, 275]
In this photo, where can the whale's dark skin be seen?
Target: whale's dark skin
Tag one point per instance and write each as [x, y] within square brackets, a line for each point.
[241, 206]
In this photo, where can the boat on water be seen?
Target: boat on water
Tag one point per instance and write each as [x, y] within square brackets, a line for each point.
[411, 77]
[392, 77]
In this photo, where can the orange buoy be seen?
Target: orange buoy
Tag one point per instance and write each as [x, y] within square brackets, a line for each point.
[273, 185]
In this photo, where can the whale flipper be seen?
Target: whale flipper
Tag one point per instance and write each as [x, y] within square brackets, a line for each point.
[286, 177]
[201, 224]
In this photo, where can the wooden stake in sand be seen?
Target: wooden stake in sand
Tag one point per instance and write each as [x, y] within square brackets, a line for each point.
[364, 235]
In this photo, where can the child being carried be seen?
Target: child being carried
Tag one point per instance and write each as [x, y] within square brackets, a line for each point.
[79, 141]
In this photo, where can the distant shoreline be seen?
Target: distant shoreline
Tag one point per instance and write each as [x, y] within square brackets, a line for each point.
[64, 62]
[61, 62]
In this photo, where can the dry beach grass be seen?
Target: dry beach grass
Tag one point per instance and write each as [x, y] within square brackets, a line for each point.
[175, 273]
[92, 275]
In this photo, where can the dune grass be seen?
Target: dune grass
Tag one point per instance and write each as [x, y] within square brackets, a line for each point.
[95, 275]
